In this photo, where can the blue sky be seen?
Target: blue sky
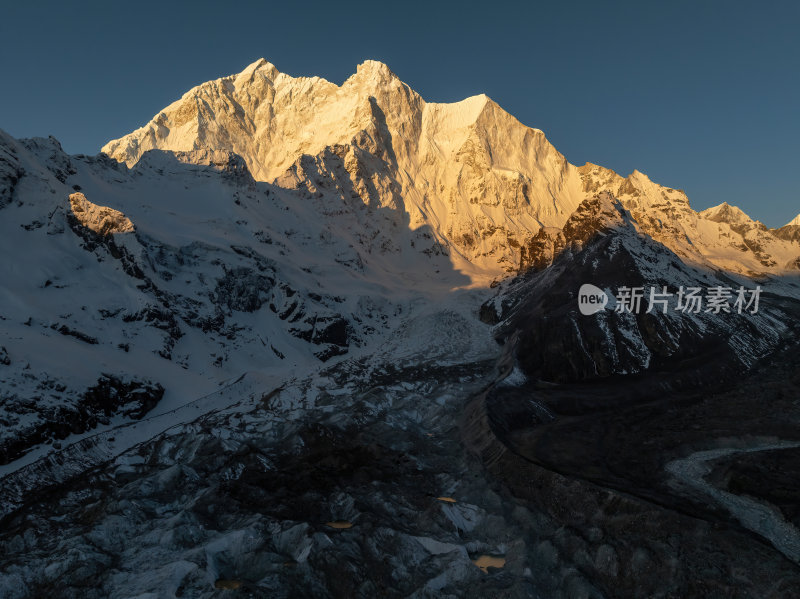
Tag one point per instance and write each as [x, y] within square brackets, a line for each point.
[701, 96]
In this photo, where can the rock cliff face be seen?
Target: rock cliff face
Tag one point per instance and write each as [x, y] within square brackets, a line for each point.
[100, 219]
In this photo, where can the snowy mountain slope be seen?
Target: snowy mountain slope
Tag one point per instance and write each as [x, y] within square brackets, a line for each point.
[358, 477]
[790, 231]
[767, 245]
[720, 237]
[481, 181]
[179, 274]
[603, 245]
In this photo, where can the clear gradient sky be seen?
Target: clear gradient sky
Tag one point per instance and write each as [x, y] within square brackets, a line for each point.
[701, 95]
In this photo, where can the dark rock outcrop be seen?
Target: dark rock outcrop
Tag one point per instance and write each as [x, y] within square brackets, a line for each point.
[111, 395]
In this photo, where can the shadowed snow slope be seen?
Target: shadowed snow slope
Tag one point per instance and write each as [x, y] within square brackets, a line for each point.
[185, 271]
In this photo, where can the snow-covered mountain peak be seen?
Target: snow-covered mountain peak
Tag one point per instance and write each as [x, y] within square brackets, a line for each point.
[373, 70]
[262, 66]
[478, 178]
[638, 175]
[482, 183]
[726, 213]
[263, 224]
[790, 232]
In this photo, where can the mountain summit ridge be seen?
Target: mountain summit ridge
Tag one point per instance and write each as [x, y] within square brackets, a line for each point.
[469, 169]
[482, 181]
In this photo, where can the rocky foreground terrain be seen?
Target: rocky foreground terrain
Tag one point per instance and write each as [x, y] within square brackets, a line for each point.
[294, 339]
